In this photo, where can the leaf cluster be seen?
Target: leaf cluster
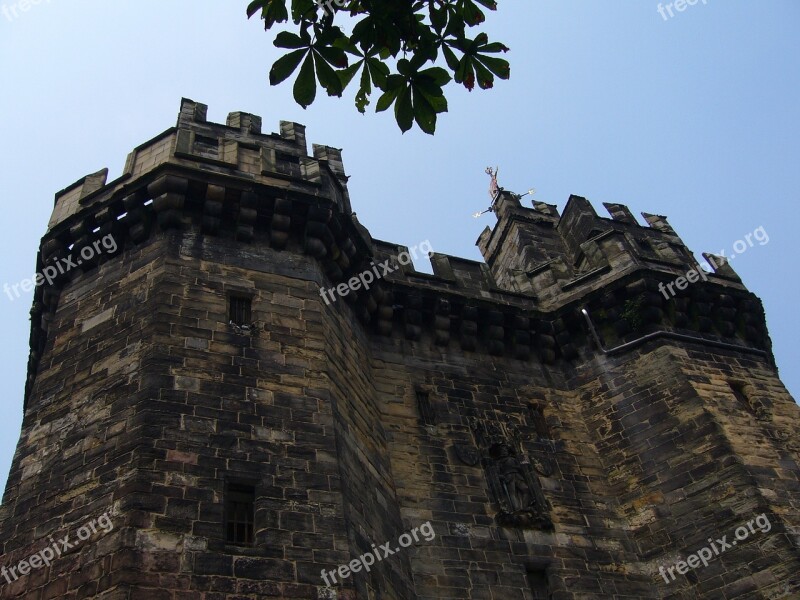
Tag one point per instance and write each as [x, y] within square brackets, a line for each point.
[393, 46]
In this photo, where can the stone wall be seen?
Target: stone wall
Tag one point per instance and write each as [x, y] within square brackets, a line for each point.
[553, 453]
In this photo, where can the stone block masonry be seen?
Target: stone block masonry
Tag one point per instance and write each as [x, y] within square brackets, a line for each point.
[378, 553]
[250, 435]
[56, 548]
[715, 548]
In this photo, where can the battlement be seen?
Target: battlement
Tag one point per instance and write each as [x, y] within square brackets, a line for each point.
[236, 148]
[560, 257]
[542, 267]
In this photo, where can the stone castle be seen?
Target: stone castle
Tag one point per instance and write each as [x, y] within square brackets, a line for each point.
[201, 423]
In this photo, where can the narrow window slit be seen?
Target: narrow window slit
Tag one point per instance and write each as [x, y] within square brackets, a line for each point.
[240, 501]
[240, 310]
[426, 412]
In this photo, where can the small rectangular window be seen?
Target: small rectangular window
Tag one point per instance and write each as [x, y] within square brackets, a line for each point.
[240, 504]
[239, 310]
[426, 412]
[537, 579]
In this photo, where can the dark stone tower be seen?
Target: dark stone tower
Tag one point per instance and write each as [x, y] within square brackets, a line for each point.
[207, 418]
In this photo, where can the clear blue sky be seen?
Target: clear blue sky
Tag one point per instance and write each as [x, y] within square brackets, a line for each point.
[695, 117]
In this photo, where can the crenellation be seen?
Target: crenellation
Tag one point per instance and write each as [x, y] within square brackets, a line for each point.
[722, 267]
[296, 133]
[333, 158]
[474, 277]
[621, 213]
[659, 222]
[248, 153]
[191, 112]
[67, 202]
[550, 210]
[578, 222]
[147, 156]
[249, 123]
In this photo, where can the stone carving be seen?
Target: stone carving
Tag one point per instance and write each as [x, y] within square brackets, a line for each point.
[512, 480]
[543, 466]
[467, 454]
[516, 491]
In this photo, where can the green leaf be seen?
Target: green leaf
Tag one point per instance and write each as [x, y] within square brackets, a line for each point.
[364, 34]
[285, 66]
[494, 47]
[438, 16]
[379, 72]
[328, 35]
[471, 14]
[439, 103]
[424, 114]
[420, 58]
[305, 87]
[438, 75]
[346, 75]
[386, 100]
[277, 12]
[395, 82]
[498, 66]
[362, 101]
[347, 45]
[404, 67]
[366, 85]
[412, 32]
[335, 56]
[272, 11]
[480, 40]
[404, 110]
[255, 6]
[465, 73]
[485, 77]
[365, 89]
[289, 40]
[327, 76]
[303, 9]
[450, 57]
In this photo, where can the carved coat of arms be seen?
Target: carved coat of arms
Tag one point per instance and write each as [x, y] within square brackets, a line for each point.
[512, 480]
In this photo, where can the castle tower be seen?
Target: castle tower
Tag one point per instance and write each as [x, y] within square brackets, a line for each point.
[235, 392]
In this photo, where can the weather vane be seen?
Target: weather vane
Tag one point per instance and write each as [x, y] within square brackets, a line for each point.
[494, 191]
[493, 187]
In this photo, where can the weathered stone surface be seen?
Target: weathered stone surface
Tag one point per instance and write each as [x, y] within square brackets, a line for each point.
[475, 400]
